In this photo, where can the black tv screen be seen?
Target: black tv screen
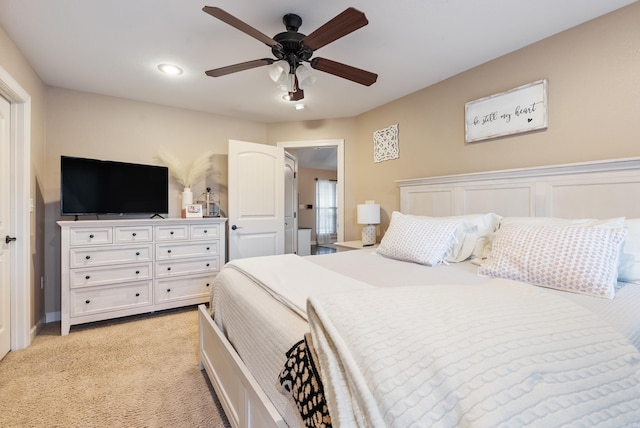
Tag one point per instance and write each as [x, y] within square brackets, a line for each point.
[93, 187]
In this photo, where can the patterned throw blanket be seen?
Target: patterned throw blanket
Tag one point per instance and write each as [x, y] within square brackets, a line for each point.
[301, 378]
[503, 354]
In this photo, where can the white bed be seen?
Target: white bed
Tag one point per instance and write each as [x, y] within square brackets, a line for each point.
[243, 351]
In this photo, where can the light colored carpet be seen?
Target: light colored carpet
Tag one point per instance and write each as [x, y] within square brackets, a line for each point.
[138, 371]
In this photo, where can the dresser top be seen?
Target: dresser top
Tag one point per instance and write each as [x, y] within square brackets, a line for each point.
[139, 222]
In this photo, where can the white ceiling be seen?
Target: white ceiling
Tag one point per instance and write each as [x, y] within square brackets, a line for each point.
[321, 157]
[113, 47]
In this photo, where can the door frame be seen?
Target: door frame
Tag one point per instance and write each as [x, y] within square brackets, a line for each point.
[339, 145]
[20, 202]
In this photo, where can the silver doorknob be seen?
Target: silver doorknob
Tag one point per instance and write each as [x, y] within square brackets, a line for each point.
[8, 239]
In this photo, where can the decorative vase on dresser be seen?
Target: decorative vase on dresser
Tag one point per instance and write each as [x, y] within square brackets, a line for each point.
[117, 268]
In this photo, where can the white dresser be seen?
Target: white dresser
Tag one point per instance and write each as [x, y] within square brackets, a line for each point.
[117, 268]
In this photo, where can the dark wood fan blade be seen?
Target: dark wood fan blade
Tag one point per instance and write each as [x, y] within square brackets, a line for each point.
[344, 23]
[223, 16]
[217, 72]
[345, 71]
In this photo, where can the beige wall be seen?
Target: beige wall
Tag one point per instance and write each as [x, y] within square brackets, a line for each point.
[12, 60]
[96, 126]
[594, 90]
[594, 104]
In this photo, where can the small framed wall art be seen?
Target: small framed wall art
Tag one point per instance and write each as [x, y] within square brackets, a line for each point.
[522, 109]
[385, 144]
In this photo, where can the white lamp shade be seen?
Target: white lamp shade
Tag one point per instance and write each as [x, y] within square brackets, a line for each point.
[278, 72]
[305, 77]
[288, 83]
[368, 214]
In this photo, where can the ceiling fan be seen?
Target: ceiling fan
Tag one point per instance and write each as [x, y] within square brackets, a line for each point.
[292, 48]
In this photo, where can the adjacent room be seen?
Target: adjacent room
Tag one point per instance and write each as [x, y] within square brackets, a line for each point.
[274, 214]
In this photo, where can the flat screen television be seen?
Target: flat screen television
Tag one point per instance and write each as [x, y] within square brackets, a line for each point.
[94, 187]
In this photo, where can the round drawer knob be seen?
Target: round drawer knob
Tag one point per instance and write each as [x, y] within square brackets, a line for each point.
[137, 253]
[133, 234]
[208, 248]
[169, 268]
[169, 251]
[168, 290]
[87, 277]
[137, 272]
[171, 233]
[91, 236]
[208, 284]
[87, 301]
[208, 264]
[87, 257]
[137, 294]
[205, 231]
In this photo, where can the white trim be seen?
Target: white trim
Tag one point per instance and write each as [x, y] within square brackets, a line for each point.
[20, 280]
[339, 144]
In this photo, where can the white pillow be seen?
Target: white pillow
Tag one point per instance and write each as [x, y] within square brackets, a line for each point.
[581, 260]
[615, 222]
[609, 222]
[424, 240]
[629, 269]
[486, 224]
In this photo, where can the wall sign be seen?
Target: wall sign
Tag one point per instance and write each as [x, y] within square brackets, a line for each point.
[385, 144]
[522, 109]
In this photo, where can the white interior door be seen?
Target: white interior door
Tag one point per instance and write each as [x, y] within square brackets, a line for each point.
[290, 204]
[256, 200]
[5, 167]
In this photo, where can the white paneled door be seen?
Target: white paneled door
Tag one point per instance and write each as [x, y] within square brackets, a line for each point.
[5, 245]
[290, 204]
[256, 200]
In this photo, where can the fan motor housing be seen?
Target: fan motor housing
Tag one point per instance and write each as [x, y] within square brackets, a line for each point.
[291, 40]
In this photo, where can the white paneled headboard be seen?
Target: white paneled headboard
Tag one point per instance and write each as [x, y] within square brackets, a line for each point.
[601, 189]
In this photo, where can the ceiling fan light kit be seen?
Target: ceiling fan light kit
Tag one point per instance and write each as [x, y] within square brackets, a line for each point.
[278, 71]
[292, 48]
[305, 77]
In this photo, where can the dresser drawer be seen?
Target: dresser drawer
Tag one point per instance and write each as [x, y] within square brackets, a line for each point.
[84, 301]
[205, 231]
[183, 288]
[84, 277]
[181, 267]
[179, 250]
[172, 233]
[133, 234]
[90, 236]
[83, 257]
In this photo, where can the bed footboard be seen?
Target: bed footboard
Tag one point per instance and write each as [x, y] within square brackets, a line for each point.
[244, 402]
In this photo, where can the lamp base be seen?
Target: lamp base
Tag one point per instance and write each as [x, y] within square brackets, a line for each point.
[368, 235]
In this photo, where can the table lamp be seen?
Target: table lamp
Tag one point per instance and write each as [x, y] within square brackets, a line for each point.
[369, 215]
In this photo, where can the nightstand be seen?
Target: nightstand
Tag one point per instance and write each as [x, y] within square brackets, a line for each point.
[351, 245]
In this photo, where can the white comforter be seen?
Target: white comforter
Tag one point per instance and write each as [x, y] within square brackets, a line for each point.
[290, 279]
[491, 355]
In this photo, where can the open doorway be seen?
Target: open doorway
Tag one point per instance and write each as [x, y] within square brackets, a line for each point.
[319, 159]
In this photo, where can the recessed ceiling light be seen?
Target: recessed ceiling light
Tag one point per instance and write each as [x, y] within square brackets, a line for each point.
[170, 69]
[299, 106]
